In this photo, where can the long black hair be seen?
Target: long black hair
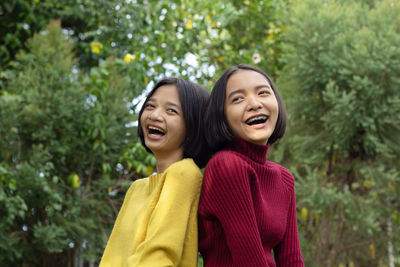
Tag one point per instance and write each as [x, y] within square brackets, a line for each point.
[218, 131]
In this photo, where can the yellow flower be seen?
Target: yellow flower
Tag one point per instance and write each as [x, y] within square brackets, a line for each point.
[96, 47]
[351, 264]
[219, 59]
[304, 213]
[74, 181]
[395, 215]
[189, 24]
[208, 18]
[129, 58]
[367, 184]
[372, 250]
[342, 265]
[149, 170]
[146, 80]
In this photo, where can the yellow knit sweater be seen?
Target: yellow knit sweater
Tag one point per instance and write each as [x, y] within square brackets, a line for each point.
[157, 223]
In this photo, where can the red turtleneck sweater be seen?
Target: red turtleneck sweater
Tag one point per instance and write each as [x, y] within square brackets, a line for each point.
[247, 208]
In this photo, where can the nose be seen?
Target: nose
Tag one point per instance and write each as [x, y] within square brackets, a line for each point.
[155, 115]
[254, 103]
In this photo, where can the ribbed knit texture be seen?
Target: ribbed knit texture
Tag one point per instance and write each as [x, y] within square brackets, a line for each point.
[247, 208]
[157, 223]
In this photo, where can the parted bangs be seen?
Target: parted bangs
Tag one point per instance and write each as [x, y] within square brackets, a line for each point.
[193, 100]
[218, 132]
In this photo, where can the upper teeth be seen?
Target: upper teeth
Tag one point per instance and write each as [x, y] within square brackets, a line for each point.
[257, 118]
[156, 128]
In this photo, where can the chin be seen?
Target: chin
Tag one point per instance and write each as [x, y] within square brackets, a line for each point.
[260, 142]
[153, 147]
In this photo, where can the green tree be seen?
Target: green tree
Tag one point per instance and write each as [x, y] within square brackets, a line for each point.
[342, 88]
[158, 34]
[65, 120]
[243, 31]
[63, 138]
[20, 20]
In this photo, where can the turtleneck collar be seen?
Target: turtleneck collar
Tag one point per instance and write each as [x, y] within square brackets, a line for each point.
[255, 152]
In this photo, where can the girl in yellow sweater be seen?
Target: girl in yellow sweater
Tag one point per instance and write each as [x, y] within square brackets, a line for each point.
[157, 223]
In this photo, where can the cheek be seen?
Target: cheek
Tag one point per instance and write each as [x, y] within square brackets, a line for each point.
[142, 119]
[233, 119]
[228, 116]
[233, 115]
[276, 107]
[180, 128]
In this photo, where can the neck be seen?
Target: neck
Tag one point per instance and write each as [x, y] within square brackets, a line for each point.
[164, 160]
[255, 152]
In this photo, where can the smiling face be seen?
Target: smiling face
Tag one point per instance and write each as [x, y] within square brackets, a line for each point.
[163, 123]
[251, 108]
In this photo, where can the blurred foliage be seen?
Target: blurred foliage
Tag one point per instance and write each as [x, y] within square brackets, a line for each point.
[341, 87]
[242, 31]
[69, 96]
[68, 99]
[158, 35]
[62, 137]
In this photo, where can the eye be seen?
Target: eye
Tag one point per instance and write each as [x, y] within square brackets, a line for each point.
[237, 99]
[171, 110]
[149, 106]
[264, 92]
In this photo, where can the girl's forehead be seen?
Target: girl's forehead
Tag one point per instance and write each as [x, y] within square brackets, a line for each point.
[244, 79]
[165, 93]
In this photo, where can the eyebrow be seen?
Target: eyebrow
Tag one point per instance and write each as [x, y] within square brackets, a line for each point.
[235, 92]
[173, 104]
[242, 90]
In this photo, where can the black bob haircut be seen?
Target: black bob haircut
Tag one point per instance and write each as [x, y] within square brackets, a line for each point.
[193, 100]
[219, 133]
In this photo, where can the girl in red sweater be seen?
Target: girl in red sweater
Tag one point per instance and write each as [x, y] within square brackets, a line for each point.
[247, 206]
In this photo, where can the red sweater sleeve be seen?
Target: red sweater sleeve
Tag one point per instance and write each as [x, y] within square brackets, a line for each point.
[287, 253]
[226, 195]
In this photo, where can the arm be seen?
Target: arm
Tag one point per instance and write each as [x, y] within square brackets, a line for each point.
[287, 252]
[226, 195]
[167, 228]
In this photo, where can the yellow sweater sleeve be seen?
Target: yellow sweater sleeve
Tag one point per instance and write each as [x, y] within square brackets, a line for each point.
[168, 224]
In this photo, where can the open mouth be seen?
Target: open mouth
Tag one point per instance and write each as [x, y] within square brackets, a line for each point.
[155, 130]
[257, 120]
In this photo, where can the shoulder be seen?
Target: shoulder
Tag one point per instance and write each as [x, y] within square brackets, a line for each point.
[226, 160]
[137, 188]
[140, 181]
[286, 177]
[185, 172]
[138, 184]
[184, 167]
[226, 167]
